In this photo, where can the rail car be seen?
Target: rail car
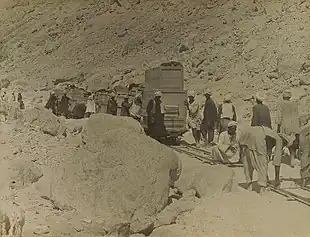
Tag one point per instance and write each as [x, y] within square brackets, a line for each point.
[168, 77]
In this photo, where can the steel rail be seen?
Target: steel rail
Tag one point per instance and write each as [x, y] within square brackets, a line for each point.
[288, 194]
[201, 157]
[278, 190]
[197, 156]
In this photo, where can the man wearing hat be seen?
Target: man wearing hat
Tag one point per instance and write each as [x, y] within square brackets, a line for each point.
[194, 116]
[227, 149]
[155, 117]
[254, 154]
[261, 117]
[112, 105]
[226, 113]
[136, 106]
[261, 113]
[287, 120]
[90, 106]
[209, 119]
[125, 106]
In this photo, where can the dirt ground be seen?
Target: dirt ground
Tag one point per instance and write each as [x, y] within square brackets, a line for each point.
[231, 46]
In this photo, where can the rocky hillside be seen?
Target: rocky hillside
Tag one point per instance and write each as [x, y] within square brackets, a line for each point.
[236, 46]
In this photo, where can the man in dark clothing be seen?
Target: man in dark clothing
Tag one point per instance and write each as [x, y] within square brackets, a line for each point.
[64, 106]
[79, 111]
[112, 105]
[261, 117]
[209, 119]
[20, 100]
[52, 103]
[155, 117]
[261, 113]
[125, 107]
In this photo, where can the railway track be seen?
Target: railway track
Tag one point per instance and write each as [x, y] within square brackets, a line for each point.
[204, 156]
[201, 154]
[290, 195]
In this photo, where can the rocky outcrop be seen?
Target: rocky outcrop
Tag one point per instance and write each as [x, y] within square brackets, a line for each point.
[118, 176]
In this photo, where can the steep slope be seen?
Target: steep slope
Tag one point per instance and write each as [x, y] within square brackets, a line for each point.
[230, 45]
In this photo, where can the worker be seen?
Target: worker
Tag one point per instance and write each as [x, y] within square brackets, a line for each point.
[52, 103]
[209, 119]
[90, 106]
[112, 105]
[261, 113]
[194, 116]
[136, 107]
[20, 100]
[78, 111]
[227, 149]
[155, 117]
[226, 113]
[287, 143]
[287, 120]
[64, 106]
[304, 151]
[125, 106]
[253, 149]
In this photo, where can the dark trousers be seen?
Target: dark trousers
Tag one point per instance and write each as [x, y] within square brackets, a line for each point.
[208, 133]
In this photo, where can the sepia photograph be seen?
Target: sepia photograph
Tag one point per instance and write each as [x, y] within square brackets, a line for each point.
[154, 118]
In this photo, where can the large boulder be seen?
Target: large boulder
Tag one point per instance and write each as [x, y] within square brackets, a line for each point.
[206, 180]
[44, 120]
[118, 176]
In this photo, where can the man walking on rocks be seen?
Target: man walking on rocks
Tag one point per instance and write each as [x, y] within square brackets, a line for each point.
[287, 121]
[254, 154]
[194, 118]
[226, 113]
[209, 119]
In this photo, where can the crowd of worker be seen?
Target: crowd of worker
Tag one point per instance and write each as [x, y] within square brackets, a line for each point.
[60, 106]
[255, 145]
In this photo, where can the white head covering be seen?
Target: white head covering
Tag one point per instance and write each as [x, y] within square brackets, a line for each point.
[158, 94]
[231, 124]
[208, 92]
[260, 96]
[287, 94]
[191, 94]
[227, 97]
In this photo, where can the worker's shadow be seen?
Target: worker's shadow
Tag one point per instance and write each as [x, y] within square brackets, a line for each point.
[255, 186]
